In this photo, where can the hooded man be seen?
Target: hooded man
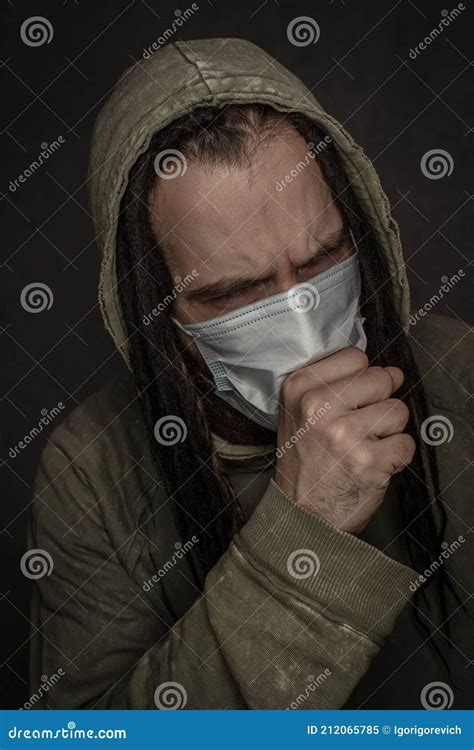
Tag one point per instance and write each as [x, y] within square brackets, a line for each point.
[239, 519]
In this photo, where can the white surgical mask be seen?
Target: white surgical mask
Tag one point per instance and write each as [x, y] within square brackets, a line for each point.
[250, 351]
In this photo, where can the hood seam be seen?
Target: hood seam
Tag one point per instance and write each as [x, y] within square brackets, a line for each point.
[196, 68]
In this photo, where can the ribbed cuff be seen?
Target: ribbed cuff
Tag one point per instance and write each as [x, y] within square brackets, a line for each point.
[355, 582]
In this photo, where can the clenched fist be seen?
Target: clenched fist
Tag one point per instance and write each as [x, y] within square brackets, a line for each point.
[340, 437]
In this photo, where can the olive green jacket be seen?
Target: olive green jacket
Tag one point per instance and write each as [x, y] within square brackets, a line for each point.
[295, 611]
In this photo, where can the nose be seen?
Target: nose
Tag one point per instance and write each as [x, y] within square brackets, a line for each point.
[285, 278]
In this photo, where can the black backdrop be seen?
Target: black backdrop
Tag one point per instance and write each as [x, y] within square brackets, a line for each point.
[399, 107]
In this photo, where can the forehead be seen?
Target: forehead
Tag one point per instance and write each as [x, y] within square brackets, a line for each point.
[221, 220]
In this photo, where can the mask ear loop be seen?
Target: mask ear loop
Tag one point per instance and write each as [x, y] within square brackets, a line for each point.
[354, 242]
[177, 323]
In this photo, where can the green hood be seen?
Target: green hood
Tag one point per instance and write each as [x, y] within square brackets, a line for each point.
[213, 72]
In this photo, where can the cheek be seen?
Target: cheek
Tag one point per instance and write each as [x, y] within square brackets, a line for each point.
[188, 312]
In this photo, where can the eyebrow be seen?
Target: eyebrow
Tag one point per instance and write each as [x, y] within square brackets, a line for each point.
[230, 285]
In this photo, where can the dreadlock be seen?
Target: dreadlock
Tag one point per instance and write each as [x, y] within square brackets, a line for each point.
[199, 491]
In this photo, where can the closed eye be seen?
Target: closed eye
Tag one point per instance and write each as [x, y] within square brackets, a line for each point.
[236, 293]
[256, 288]
[321, 255]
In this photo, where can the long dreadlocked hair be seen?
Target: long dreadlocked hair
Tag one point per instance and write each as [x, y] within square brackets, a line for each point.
[200, 493]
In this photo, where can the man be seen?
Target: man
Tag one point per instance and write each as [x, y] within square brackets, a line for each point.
[238, 521]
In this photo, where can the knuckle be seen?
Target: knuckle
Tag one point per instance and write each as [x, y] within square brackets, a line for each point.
[290, 386]
[309, 403]
[340, 432]
[326, 394]
[362, 460]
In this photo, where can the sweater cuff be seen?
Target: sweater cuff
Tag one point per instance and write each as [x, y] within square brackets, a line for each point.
[357, 583]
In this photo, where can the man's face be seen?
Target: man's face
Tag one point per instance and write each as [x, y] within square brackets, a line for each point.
[242, 239]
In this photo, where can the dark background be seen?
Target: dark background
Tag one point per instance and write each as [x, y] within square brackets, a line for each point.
[395, 107]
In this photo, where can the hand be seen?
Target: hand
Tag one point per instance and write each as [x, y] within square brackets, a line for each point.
[340, 437]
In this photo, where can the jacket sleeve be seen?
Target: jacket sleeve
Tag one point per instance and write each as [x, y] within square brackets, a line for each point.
[291, 616]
